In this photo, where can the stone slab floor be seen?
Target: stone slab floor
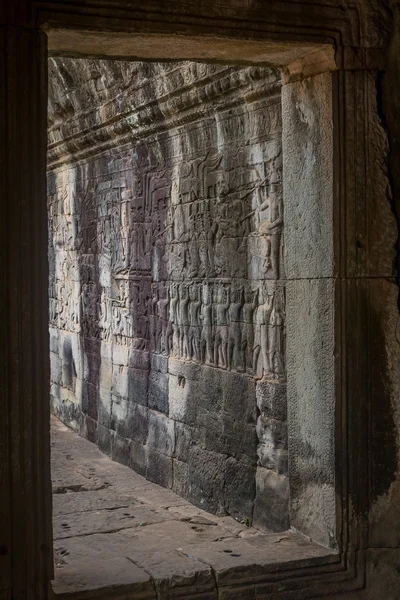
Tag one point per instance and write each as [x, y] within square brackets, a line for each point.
[116, 535]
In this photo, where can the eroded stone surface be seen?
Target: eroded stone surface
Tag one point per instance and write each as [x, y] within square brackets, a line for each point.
[167, 289]
[136, 538]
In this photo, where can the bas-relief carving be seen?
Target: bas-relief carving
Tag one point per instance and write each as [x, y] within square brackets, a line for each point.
[192, 252]
[168, 252]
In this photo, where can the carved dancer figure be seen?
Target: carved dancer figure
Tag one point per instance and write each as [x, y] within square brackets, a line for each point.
[162, 322]
[173, 335]
[235, 334]
[277, 336]
[153, 317]
[270, 227]
[142, 321]
[126, 197]
[169, 331]
[250, 305]
[206, 316]
[194, 331]
[221, 308]
[184, 322]
[105, 315]
[261, 358]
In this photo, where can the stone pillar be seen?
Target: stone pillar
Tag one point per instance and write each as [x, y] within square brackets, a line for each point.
[25, 515]
[340, 242]
[368, 311]
[307, 118]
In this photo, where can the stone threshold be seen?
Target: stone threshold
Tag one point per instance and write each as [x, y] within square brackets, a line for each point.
[117, 535]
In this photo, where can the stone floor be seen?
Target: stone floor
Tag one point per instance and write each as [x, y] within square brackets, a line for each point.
[116, 535]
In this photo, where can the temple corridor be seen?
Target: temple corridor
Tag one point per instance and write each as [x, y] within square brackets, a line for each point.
[115, 533]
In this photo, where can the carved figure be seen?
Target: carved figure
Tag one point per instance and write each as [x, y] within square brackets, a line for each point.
[174, 332]
[206, 316]
[194, 318]
[235, 333]
[271, 229]
[276, 345]
[221, 308]
[185, 222]
[162, 322]
[249, 306]
[184, 321]
[126, 197]
[261, 358]
[153, 319]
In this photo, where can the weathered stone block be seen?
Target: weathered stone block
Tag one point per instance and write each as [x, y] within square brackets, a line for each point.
[240, 489]
[138, 457]
[78, 389]
[271, 505]
[272, 432]
[158, 395]
[121, 450]
[106, 350]
[54, 340]
[105, 375]
[55, 368]
[210, 391]
[105, 438]
[134, 424]
[55, 396]
[90, 400]
[312, 384]
[120, 355]
[159, 363]
[228, 436]
[91, 346]
[91, 368]
[180, 483]
[207, 479]
[308, 177]
[182, 395]
[184, 438]
[159, 468]
[239, 397]
[271, 399]
[69, 364]
[120, 381]
[184, 369]
[119, 411]
[272, 458]
[139, 359]
[90, 429]
[71, 355]
[161, 436]
[138, 382]
[104, 409]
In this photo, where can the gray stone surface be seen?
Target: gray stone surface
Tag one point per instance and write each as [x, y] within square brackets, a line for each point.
[167, 290]
[311, 363]
[271, 501]
[308, 177]
[118, 535]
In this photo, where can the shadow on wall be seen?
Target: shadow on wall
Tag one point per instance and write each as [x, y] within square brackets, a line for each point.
[167, 287]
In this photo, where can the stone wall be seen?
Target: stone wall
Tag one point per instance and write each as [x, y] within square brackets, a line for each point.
[167, 295]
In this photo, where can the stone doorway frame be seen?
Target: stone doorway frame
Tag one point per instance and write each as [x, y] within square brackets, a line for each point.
[339, 83]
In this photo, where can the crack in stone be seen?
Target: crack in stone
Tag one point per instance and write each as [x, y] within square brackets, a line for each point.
[77, 488]
[141, 525]
[181, 553]
[83, 510]
[152, 580]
